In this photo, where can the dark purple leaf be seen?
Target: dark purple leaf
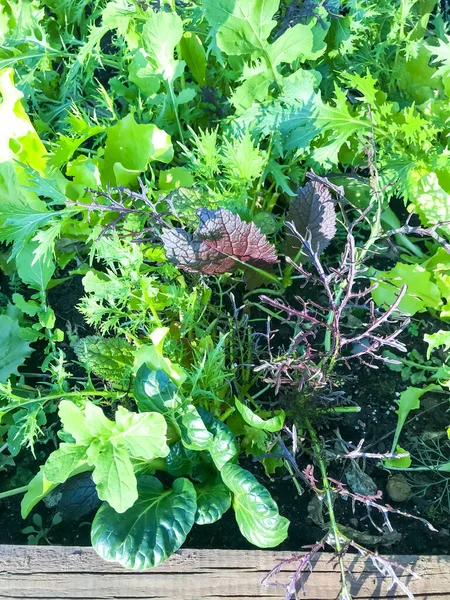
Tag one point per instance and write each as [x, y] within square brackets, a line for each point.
[222, 241]
[313, 215]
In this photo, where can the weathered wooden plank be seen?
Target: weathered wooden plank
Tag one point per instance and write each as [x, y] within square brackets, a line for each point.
[54, 573]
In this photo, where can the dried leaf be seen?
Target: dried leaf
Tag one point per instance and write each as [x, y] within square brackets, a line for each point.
[313, 215]
[221, 243]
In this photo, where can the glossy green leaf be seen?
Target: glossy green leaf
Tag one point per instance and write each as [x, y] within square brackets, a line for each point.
[256, 512]
[151, 530]
[194, 434]
[155, 391]
[224, 446]
[212, 502]
[180, 461]
[273, 424]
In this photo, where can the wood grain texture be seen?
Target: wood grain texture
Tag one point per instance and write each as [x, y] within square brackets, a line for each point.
[56, 573]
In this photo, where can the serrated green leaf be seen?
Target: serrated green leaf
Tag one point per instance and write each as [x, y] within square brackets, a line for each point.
[143, 435]
[256, 512]
[109, 358]
[151, 530]
[114, 477]
[61, 463]
[74, 422]
[36, 275]
[436, 340]
[13, 349]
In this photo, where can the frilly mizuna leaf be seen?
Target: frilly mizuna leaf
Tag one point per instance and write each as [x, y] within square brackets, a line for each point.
[151, 530]
[221, 243]
[256, 512]
[313, 215]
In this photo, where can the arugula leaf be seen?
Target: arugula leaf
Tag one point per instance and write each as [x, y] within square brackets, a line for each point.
[151, 530]
[221, 243]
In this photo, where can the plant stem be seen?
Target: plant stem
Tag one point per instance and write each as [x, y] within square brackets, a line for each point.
[19, 490]
[334, 529]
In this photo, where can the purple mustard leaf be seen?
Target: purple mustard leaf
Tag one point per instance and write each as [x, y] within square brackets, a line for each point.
[221, 243]
[313, 214]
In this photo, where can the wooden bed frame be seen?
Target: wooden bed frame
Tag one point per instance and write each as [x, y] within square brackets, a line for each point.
[53, 572]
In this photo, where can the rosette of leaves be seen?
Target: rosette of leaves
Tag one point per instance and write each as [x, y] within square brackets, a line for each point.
[201, 449]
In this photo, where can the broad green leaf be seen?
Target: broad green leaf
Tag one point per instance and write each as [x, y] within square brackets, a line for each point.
[141, 74]
[224, 446]
[429, 200]
[398, 463]
[421, 292]
[256, 512]
[63, 462]
[154, 391]
[273, 424]
[74, 422]
[19, 221]
[143, 435]
[180, 461]
[151, 530]
[194, 434]
[212, 502]
[38, 488]
[36, 275]
[96, 422]
[13, 349]
[130, 147]
[436, 340]
[194, 55]
[109, 358]
[161, 33]
[18, 139]
[243, 26]
[114, 477]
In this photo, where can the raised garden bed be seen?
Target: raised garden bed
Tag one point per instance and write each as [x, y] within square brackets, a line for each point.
[224, 319]
[52, 573]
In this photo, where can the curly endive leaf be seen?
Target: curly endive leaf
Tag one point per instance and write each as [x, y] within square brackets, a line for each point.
[109, 358]
[313, 215]
[221, 243]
